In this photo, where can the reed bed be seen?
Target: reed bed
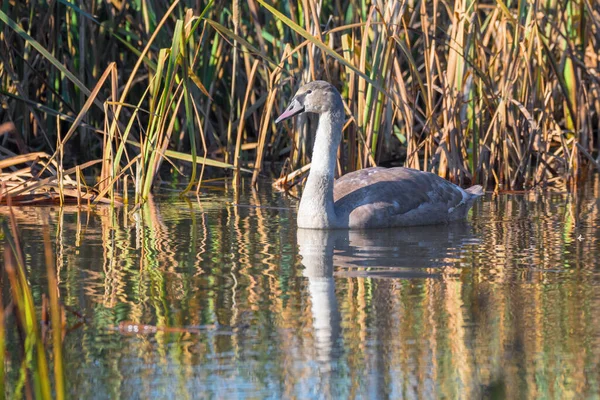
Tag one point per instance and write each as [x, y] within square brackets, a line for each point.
[499, 93]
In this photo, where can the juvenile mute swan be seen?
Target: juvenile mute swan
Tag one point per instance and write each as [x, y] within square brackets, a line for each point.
[372, 197]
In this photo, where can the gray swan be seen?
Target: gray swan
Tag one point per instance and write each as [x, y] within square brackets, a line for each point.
[372, 197]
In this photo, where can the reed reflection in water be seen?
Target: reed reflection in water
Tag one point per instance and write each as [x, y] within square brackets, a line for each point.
[238, 302]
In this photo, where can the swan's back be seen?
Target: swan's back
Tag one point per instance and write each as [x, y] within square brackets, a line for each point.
[387, 197]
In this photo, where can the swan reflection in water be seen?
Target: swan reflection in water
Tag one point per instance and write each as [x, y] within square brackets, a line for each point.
[405, 253]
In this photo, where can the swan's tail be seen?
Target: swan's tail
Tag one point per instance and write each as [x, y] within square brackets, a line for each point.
[475, 190]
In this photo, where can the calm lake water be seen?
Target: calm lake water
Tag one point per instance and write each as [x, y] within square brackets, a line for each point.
[233, 301]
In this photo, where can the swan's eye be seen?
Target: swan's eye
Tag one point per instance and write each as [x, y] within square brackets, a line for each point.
[309, 91]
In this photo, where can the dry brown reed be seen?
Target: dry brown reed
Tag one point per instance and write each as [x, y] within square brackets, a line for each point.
[504, 94]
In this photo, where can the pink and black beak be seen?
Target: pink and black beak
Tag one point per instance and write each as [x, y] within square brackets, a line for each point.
[296, 107]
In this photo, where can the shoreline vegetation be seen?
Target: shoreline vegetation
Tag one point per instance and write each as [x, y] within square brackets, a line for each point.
[101, 100]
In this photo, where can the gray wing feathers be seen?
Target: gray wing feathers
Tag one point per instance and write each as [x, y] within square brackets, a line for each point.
[399, 197]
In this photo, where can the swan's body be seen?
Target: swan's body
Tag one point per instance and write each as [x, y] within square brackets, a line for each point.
[372, 197]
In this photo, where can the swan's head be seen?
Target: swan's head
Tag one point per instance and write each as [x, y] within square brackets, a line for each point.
[315, 97]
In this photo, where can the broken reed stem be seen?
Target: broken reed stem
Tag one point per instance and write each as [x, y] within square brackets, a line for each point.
[78, 177]
[232, 101]
[125, 190]
[241, 125]
[60, 176]
[266, 121]
[138, 174]
[204, 147]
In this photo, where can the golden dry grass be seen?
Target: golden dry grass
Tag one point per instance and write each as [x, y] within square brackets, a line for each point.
[503, 94]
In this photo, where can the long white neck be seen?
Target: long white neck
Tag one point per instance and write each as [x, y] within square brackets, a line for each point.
[316, 207]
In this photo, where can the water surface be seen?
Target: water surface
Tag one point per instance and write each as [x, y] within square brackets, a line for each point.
[230, 300]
